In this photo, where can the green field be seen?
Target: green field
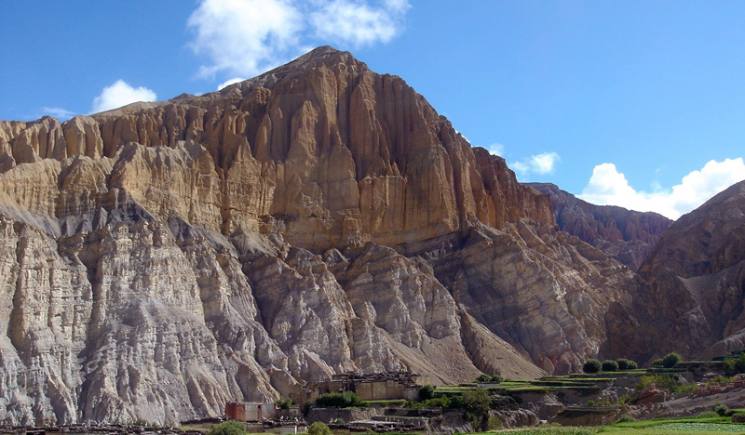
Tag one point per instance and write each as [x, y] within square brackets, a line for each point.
[702, 425]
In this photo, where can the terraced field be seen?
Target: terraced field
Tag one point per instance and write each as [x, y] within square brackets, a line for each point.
[702, 425]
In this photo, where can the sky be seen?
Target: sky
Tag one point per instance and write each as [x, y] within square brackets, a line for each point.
[634, 103]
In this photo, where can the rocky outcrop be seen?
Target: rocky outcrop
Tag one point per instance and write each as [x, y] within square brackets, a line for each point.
[527, 282]
[692, 292]
[627, 235]
[339, 153]
[163, 258]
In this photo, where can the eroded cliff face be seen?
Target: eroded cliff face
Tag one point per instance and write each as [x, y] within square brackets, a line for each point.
[161, 259]
[699, 266]
[627, 235]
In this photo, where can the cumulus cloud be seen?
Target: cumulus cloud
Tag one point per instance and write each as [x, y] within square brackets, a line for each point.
[246, 37]
[543, 163]
[608, 185]
[119, 94]
[357, 22]
[57, 112]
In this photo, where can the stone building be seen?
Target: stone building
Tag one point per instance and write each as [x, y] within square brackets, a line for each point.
[373, 386]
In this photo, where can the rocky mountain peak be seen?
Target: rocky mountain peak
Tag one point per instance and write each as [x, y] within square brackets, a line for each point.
[162, 259]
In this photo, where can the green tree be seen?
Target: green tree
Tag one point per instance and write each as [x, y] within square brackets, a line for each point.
[426, 392]
[476, 405]
[626, 364]
[592, 366]
[284, 403]
[318, 428]
[671, 360]
[228, 428]
[740, 363]
[610, 366]
[346, 399]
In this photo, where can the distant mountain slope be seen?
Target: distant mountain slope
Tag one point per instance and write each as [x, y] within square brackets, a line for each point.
[692, 293]
[627, 235]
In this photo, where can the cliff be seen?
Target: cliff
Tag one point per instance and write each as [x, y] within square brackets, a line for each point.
[163, 258]
[627, 235]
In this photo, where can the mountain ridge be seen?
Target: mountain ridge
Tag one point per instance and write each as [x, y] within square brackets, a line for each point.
[162, 259]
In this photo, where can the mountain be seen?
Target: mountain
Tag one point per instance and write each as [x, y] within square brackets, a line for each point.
[692, 293]
[627, 235]
[161, 259]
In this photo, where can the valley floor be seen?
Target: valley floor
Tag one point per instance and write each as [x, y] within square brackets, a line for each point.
[702, 425]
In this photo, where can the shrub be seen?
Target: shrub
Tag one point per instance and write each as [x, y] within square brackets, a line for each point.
[592, 366]
[437, 402]
[228, 428]
[489, 379]
[657, 363]
[426, 392]
[740, 363]
[318, 428]
[483, 378]
[730, 366]
[284, 403]
[723, 410]
[339, 400]
[666, 382]
[495, 423]
[610, 366]
[476, 403]
[626, 364]
[625, 418]
[671, 360]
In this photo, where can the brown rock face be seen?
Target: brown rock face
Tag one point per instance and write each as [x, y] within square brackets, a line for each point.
[693, 285]
[627, 235]
[162, 259]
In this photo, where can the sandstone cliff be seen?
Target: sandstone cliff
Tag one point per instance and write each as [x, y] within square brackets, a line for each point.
[627, 235]
[163, 258]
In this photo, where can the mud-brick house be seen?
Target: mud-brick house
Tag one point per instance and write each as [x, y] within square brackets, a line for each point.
[372, 386]
[249, 411]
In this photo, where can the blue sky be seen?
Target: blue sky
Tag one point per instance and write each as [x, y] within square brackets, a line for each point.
[636, 103]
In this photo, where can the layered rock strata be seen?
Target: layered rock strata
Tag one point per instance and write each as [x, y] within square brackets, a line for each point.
[163, 258]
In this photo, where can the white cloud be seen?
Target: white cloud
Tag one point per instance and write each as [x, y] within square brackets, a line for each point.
[543, 163]
[57, 112]
[244, 37]
[229, 82]
[247, 37]
[119, 94]
[496, 148]
[609, 186]
[357, 22]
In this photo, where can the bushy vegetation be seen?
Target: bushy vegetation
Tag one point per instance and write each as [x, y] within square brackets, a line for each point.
[671, 360]
[339, 400]
[610, 366]
[723, 410]
[626, 364]
[489, 379]
[228, 428]
[657, 362]
[318, 428]
[284, 403]
[426, 392]
[476, 404]
[665, 382]
[733, 366]
[592, 366]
